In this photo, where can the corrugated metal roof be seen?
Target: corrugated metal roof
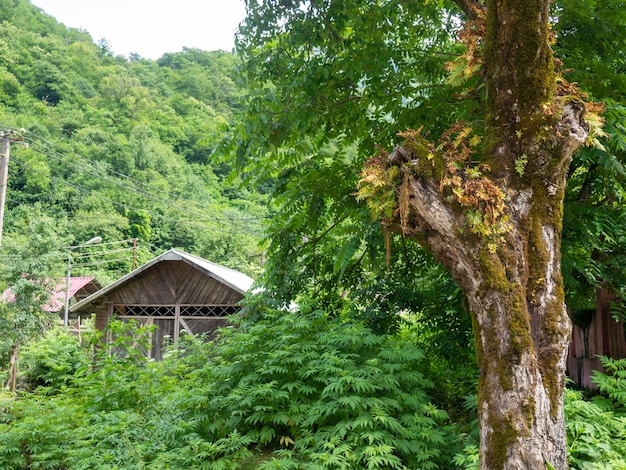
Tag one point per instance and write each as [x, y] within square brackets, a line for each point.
[236, 280]
[57, 299]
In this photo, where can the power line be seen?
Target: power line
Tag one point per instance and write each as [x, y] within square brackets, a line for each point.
[177, 203]
[96, 263]
[118, 242]
[128, 206]
[100, 253]
[252, 224]
[87, 166]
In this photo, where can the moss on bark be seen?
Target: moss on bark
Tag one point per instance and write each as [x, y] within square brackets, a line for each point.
[520, 77]
[427, 163]
[504, 434]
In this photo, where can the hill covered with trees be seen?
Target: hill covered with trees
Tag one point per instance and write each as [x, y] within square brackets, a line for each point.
[119, 148]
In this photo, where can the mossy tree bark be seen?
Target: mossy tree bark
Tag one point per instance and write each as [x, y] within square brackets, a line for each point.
[510, 276]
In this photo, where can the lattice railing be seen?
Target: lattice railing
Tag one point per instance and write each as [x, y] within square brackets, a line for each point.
[144, 310]
[170, 310]
[208, 310]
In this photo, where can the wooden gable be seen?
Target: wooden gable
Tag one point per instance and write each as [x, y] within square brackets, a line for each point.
[173, 282]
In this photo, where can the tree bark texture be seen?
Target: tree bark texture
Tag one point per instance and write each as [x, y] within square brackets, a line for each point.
[511, 276]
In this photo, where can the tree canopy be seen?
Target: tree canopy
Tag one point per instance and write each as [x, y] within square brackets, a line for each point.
[415, 160]
[473, 124]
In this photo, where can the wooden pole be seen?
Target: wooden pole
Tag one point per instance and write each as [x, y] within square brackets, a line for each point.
[4, 176]
[66, 315]
[12, 382]
[7, 138]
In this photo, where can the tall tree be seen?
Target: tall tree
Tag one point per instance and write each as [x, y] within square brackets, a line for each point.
[30, 270]
[495, 224]
[486, 197]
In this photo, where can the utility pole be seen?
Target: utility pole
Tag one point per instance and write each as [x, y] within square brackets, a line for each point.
[68, 279]
[7, 138]
[4, 176]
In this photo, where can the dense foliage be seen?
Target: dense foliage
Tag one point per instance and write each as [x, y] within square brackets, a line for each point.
[111, 147]
[334, 83]
[292, 389]
[328, 84]
[310, 130]
[375, 372]
[596, 429]
[591, 44]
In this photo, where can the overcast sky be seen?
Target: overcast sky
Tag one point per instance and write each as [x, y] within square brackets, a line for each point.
[151, 27]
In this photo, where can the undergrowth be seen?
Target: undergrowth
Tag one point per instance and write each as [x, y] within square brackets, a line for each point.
[291, 390]
[596, 427]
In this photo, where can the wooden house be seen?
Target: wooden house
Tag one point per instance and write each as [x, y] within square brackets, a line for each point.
[595, 333]
[176, 291]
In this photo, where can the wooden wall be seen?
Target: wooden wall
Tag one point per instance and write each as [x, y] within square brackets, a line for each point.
[604, 336]
[172, 282]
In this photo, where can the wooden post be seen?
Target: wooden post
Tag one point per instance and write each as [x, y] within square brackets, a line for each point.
[4, 176]
[7, 138]
[176, 325]
[12, 382]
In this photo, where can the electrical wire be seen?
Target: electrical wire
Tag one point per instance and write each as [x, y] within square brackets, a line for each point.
[96, 263]
[117, 242]
[100, 253]
[253, 225]
[87, 166]
[128, 206]
[175, 204]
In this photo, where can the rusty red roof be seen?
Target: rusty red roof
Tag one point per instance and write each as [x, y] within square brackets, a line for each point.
[57, 299]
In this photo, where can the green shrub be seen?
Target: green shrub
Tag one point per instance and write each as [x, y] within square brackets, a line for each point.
[108, 416]
[468, 459]
[293, 390]
[120, 376]
[52, 360]
[596, 429]
[318, 393]
[596, 435]
[613, 384]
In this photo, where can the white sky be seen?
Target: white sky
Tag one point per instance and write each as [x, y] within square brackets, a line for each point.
[151, 28]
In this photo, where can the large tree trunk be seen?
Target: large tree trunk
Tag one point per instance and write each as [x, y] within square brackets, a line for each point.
[498, 231]
[522, 330]
[522, 334]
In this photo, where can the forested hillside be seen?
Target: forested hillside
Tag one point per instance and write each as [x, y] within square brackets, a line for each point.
[118, 148]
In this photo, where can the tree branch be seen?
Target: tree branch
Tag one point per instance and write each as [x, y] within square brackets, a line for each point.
[470, 8]
[436, 226]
